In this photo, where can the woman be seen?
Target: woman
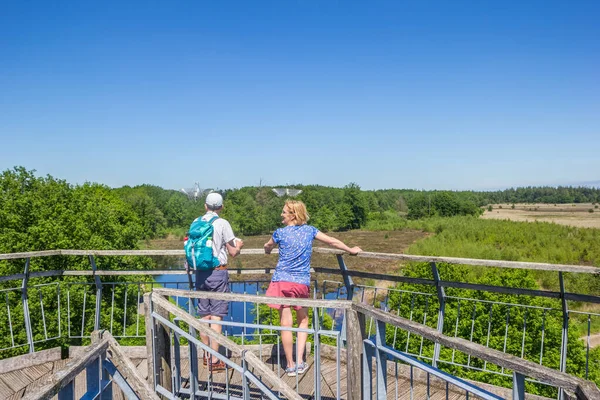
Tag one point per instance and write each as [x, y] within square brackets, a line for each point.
[292, 274]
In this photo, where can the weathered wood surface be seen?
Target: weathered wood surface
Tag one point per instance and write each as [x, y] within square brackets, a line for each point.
[364, 254]
[341, 304]
[29, 360]
[61, 378]
[508, 361]
[399, 386]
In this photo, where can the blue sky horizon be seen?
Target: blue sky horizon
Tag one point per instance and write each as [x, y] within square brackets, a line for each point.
[461, 95]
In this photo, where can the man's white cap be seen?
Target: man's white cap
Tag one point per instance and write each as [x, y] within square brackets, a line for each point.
[214, 200]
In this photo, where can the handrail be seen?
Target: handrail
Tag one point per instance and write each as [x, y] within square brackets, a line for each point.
[585, 389]
[365, 254]
[287, 301]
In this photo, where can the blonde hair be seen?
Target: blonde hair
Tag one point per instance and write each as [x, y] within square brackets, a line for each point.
[298, 209]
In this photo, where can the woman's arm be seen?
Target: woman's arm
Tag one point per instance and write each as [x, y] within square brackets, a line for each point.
[269, 246]
[338, 244]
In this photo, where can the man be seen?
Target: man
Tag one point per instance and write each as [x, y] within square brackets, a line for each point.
[216, 280]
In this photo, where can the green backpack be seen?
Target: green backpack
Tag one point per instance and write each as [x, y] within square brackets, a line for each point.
[198, 248]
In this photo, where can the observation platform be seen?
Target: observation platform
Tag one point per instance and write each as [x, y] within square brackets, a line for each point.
[401, 337]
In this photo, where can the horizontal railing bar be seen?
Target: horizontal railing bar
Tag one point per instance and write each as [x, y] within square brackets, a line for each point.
[508, 361]
[342, 304]
[152, 272]
[462, 384]
[364, 254]
[376, 276]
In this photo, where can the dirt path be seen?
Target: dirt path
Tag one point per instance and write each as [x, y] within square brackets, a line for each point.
[594, 340]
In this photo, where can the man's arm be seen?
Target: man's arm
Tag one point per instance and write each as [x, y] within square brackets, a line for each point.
[338, 244]
[234, 247]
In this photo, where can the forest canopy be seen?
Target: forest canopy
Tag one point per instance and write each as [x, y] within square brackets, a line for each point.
[39, 213]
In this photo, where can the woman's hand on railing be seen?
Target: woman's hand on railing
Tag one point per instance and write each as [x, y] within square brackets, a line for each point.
[354, 250]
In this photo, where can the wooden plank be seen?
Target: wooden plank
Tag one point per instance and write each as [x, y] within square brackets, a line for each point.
[469, 261]
[364, 254]
[28, 360]
[355, 334]
[342, 304]
[16, 380]
[5, 390]
[16, 396]
[30, 254]
[149, 338]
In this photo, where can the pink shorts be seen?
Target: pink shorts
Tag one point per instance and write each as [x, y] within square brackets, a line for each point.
[287, 289]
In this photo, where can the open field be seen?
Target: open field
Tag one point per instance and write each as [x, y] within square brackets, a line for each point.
[565, 214]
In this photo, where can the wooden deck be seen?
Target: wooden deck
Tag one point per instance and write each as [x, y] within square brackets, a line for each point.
[17, 383]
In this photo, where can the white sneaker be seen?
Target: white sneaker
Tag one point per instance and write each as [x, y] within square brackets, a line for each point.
[291, 371]
[301, 368]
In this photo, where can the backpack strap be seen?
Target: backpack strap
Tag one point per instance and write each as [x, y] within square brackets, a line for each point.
[213, 219]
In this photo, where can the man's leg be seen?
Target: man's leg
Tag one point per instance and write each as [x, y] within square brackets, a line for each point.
[287, 338]
[205, 339]
[214, 344]
[302, 316]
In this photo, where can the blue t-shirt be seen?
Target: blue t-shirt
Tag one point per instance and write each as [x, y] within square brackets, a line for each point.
[295, 249]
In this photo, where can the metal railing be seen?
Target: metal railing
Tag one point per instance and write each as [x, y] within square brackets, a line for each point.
[63, 309]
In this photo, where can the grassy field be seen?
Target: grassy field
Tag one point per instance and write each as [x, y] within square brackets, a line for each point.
[578, 215]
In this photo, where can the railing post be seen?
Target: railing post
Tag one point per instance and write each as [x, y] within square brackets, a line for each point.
[442, 311]
[317, 353]
[100, 379]
[98, 293]
[381, 361]
[25, 300]
[158, 347]
[245, 383]
[349, 284]
[565, 331]
[518, 386]
[354, 353]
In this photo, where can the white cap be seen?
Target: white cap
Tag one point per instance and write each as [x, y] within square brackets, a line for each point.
[214, 200]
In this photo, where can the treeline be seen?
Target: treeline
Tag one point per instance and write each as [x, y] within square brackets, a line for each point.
[43, 212]
[256, 210]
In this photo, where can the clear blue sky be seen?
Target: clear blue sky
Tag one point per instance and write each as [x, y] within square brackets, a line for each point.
[419, 94]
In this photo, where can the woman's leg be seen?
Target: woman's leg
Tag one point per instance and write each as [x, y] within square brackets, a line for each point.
[302, 316]
[287, 338]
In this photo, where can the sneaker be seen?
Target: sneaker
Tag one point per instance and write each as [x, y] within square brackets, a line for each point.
[301, 368]
[291, 371]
